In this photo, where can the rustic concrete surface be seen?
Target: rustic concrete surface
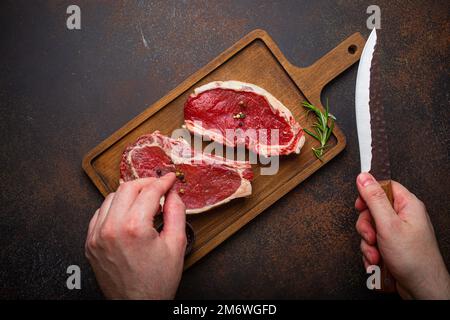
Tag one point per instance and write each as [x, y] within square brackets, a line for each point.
[62, 92]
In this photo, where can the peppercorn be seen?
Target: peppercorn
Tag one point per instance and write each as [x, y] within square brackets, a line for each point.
[240, 115]
[179, 175]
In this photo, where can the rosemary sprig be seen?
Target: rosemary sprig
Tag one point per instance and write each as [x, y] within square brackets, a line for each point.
[322, 129]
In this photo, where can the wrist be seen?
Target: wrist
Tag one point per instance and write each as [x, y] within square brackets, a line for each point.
[446, 289]
[436, 288]
[442, 291]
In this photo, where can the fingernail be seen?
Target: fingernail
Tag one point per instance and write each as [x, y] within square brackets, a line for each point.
[365, 179]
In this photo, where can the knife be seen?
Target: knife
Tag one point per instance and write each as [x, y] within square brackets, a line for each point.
[373, 146]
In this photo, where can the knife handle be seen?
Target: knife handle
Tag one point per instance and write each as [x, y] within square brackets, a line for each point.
[387, 280]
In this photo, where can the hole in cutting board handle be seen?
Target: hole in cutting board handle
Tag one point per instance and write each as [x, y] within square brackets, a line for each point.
[352, 49]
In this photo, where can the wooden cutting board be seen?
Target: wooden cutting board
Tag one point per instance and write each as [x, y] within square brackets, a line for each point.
[255, 59]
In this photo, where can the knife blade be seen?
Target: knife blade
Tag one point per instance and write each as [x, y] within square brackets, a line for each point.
[372, 138]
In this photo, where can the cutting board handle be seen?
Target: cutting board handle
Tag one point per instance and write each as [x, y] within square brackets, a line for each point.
[314, 78]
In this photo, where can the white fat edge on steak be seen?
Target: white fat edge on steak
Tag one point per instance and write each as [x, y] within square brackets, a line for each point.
[180, 152]
[275, 105]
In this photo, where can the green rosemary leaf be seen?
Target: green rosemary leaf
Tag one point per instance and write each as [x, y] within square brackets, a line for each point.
[330, 129]
[321, 127]
[319, 133]
[311, 134]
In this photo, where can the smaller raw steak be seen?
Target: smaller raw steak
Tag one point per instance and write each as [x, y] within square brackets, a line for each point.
[237, 113]
[204, 181]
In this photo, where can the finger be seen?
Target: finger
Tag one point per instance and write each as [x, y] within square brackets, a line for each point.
[147, 203]
[376, 200]
[370, 252]
[174, 229]
[126, 194]
[360, 204]
[91, 227]
[365, 228]
[366, 263]
[92, 222]
[103, 211]
[406, 202]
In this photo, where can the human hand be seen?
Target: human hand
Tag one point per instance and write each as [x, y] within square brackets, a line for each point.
[404, 237]
[131, 260]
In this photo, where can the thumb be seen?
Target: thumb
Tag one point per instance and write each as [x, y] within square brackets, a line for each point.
[379, 206]
[174, 229]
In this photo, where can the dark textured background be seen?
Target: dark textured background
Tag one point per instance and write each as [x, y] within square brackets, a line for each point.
[62, 92]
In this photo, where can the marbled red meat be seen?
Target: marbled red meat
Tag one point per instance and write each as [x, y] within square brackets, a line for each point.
[204, 181]
[232, 105]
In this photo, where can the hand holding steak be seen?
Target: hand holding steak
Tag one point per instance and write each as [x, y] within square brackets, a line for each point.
[131, 260]
[204, 181]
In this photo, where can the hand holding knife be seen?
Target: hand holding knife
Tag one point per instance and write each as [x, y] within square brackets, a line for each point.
[373, 146]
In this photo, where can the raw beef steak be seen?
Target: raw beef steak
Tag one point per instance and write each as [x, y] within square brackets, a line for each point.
[220, 107]
[204, 181]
